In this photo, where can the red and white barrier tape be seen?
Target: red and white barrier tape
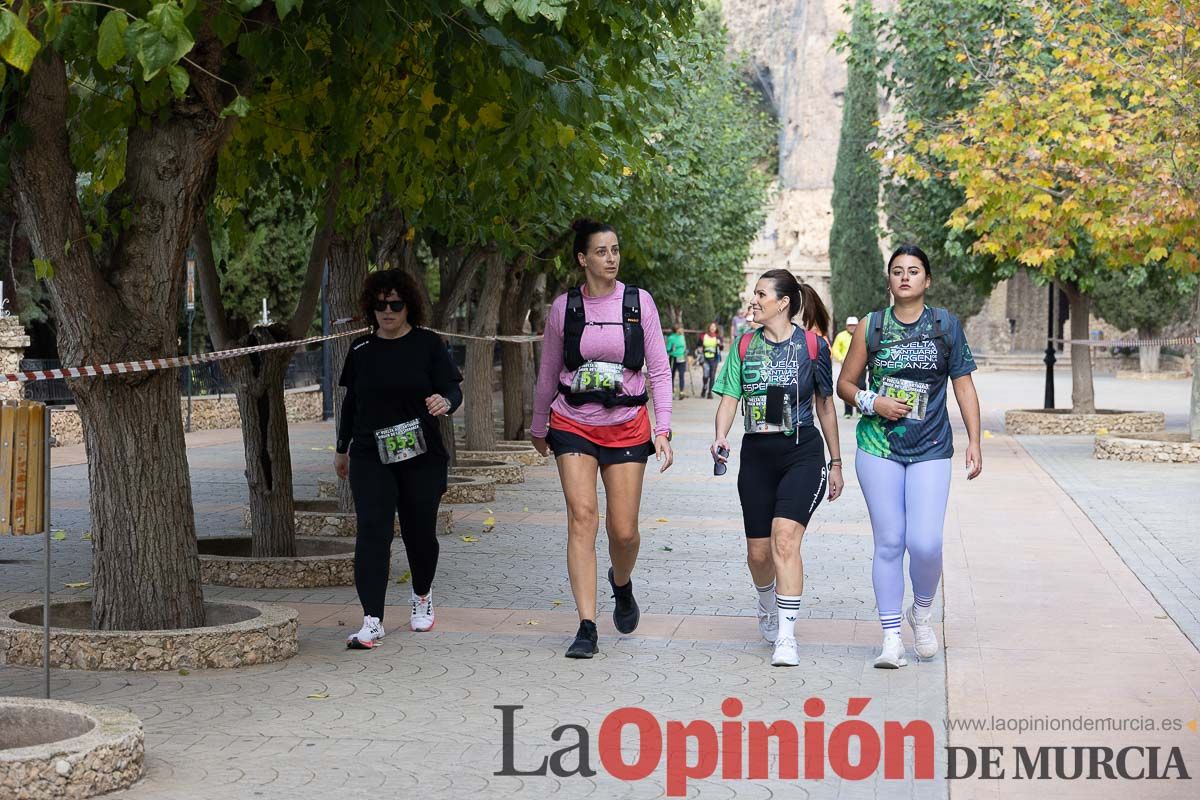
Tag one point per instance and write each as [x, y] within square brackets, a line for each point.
[518, 338]
[152, 364]
[1186, 341]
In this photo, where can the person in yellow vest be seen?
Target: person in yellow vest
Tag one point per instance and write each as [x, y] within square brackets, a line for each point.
[710, 346]
[841, 346]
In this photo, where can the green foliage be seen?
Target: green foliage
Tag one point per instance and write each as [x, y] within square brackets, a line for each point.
[855, 263]
[264, 252]
[924, 43]
[1146, 299]
[695, 208]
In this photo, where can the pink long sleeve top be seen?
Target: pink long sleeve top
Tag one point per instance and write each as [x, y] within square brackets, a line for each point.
[602, 343]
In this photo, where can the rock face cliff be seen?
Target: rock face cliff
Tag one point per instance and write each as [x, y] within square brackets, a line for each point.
[789, 44]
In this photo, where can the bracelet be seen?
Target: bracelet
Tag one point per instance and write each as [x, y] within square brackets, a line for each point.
[836, 462]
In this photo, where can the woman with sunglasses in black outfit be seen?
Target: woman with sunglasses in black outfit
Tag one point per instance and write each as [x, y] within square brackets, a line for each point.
[398, 380]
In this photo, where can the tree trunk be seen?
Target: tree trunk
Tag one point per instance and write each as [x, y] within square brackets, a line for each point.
[516, 358]
[258, 385]
[1194, 416]
[1083, 393]
[347, 271]
[119, 302]
[481, 431]
[1148, 354]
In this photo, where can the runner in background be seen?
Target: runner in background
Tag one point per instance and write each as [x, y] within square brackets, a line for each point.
[841, 346]
[783, 375]
[398, 380]
[710, 350]
[677, 353]
[590, 409]
[905, 444]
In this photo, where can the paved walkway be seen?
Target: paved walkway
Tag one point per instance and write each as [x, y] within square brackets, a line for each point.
[1042, 618]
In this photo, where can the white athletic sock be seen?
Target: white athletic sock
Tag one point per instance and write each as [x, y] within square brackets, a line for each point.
[766, 596]
[789, 609]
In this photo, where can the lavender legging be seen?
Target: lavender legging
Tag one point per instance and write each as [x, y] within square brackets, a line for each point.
[907, 503]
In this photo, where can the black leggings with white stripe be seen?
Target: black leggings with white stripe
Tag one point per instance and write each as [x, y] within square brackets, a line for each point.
[781, 475]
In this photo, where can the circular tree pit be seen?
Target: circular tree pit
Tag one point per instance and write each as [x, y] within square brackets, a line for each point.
[1061, 422]
[510, 454]
[321, 517]
[459, 489]
[226, 561]
[499, 471]
[55, 749]
[238, 634]
[1159, 448]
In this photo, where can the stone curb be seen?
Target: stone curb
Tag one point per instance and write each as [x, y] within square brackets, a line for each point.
[1168, 448]
[310, 571]
[498, 471]
[267, 637]
[1036, 422]
[107, 757]
[336, 523]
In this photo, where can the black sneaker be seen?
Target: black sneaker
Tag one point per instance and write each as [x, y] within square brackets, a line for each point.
[584, 645]
[626, 613]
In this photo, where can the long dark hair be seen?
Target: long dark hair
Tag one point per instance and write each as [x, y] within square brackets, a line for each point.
[911, 250]
[384, 282]
[584, 230]
[802, 299]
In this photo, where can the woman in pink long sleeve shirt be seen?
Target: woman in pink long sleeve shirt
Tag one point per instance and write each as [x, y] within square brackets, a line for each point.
[590, 409]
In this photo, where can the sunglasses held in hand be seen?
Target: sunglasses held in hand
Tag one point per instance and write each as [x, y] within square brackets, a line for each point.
[721, 467]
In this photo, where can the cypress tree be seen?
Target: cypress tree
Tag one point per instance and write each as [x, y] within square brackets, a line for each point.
[858, 283]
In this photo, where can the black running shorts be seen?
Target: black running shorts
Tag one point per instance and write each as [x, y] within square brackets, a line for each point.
[563, 442]
[780, 477]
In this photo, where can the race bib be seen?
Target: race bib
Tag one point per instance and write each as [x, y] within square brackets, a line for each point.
[603, 376]
[755, 416]
[400, 442]
[915, 393]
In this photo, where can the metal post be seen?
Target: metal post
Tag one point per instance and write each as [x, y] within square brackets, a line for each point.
[1050, 359]
[189, 301]
[46, 521]
[191, 316]
[326, 351]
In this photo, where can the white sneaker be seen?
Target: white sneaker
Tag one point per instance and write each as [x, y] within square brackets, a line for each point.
[785, 653]
[892, 655]
[422, 612]
[368, 636]
[768, 623]
[924, 639]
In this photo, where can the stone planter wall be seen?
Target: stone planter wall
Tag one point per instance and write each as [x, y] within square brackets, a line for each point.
[321, 518]
[239, 634]
[55, 749]
[1165, 375]
[225, 561]
[1161, 448]
[1062, 422]
[209, 412]
[498, 471]
[525, 457]
[461, 489]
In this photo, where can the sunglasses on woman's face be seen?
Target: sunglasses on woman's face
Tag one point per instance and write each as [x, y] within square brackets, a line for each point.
[395, 305]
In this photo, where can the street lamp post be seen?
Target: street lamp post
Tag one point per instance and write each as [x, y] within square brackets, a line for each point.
[190, 300]
[1050, 359]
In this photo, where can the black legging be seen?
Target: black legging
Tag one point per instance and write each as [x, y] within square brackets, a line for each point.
[413, 490]
[679, 367]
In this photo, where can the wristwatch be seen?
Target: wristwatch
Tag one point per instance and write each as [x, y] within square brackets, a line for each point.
[668, 434]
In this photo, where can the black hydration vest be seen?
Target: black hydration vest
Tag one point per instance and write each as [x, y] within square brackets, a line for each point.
[635, 347]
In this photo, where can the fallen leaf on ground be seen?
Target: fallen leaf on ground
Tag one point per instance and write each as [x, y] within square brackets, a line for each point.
[988, 435]
[469, 539]
[87, 536]
[58, 536]
[532, 622]
[80, 585]
[526, 509]
[185, 672]
[556, 602]
[668, 549]
[341, 624]
[1102, 431]
[404, 578]
[318, 696]
[489, 525]
[662, 519]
